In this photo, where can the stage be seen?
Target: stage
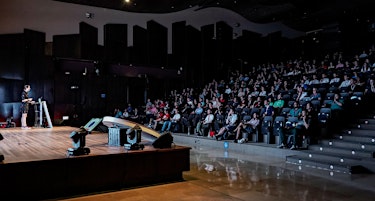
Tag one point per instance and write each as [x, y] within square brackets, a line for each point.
[37, 165]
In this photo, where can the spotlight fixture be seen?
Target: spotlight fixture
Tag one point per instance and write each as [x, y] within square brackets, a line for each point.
[79, 138]
[79, 142]
[134, 138]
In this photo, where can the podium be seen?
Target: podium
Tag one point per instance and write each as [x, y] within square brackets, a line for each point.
[40, 107]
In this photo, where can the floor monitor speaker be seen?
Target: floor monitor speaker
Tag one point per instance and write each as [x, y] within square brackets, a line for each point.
[164, 141]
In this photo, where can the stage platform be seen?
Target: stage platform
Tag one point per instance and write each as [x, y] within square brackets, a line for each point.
[37, 166]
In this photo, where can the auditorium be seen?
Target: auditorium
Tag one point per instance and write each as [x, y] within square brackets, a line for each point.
[187, 100]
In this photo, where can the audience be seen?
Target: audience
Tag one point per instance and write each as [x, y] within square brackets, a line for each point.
[218, 106]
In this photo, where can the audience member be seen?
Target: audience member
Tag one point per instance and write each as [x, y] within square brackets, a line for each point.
[230, 124]
[204, 125]
[249, 127]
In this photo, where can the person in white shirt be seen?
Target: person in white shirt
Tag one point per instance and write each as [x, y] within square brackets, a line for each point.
[228, 90]
[175, 121]
[300, 93]
[314, 80]
[205, 124]
[324, 79]
[345, 83]
[335, 80]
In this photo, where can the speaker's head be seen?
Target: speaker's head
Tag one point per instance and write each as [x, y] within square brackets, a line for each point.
[164, 141]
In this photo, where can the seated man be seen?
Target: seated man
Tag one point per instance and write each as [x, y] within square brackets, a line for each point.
[230, 124]
[288, 129]
[294, 128]
[175, 121]
[249, 126]
[295, 111]
[205, 124]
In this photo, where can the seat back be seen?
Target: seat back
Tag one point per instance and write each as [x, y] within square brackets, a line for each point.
[267, 122]
[254, 109]
[246, 117]
[290, 103]
[344, 95]
[293, 119]
[285, 111]
[329, 96]
[278, 123]
[324, 115]
[315, 104]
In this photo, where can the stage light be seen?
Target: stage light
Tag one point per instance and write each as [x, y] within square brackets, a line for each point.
[134, 138]
[79, 138]
[79, 141]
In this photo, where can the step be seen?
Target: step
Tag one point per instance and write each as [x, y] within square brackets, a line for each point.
[326, 164]
[349, 144]
[343, 151]
[362, 126]
[357, 131]
[364, 120]
[318, 171]
[336, 158]
[356, 138]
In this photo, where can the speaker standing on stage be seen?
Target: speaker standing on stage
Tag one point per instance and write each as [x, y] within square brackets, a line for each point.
[25, 106]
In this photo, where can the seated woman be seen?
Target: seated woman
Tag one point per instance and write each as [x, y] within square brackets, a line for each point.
[249, 126]
[230, 124]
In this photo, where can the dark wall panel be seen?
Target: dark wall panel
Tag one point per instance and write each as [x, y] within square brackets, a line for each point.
[35, 55]
[224, 45]
[158, 43]
[12, 56]
[66, 46]
[89, 41]
[178, 42]
[116, 43]
[209, 60]
[193, 57]
[140, 46]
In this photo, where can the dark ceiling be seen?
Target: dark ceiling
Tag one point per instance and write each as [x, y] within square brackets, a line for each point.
[302, 15]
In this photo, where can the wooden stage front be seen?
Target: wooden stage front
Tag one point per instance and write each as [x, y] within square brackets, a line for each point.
[37, 166]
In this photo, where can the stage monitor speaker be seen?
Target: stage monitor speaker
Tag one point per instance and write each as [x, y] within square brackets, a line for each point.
[102, 128]
[93, 123]
[163, 141]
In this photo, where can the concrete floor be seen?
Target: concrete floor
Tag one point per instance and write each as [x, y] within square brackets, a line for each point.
[224, 174]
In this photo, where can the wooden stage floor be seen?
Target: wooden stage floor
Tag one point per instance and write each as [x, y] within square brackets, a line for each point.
[51, 143]
[37, 164]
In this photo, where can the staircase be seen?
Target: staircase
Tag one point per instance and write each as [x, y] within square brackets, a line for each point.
[351, 151]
